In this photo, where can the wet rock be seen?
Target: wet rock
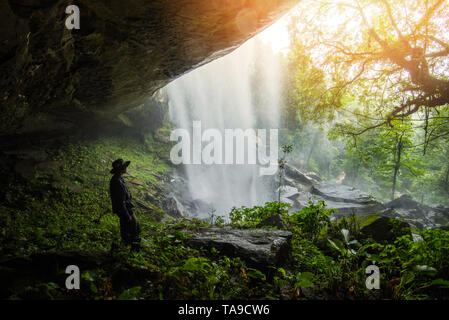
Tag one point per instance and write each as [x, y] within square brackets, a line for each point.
[258, 247]
[288, 195]
[313, 176]
[176, 188]
[199, 206]
[343, 208]
[342, 193]
[301, 188]
[442, 209]
[418, 215]
[404, 202]
[297, 176]
[288, 192]
[385, 229]
[173, 207]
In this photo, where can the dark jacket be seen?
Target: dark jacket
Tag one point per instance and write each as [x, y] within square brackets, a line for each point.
[121, 198]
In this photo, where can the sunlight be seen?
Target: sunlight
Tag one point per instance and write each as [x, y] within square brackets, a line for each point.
[277, 35]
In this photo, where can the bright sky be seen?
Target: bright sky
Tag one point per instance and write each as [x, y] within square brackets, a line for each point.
[277, 35]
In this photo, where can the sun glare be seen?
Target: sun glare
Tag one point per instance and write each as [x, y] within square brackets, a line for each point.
[277, 35]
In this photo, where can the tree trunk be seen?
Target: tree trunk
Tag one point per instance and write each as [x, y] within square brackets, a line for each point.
[312, 147]
[355, 172]
[396, 166]
[422, 193]
[446, 180]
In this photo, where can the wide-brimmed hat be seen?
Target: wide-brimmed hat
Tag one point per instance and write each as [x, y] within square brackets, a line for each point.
[118, 165]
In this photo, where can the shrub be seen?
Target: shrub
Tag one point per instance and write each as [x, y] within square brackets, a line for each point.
[312, 220]
[251, 217]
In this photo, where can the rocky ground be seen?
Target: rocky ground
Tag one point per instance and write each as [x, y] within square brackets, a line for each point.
[304, 187]
[301, 188]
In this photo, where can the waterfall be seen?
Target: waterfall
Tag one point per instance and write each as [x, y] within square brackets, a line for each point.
[241, 90]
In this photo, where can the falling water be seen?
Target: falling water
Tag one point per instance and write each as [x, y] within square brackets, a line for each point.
[223, 95]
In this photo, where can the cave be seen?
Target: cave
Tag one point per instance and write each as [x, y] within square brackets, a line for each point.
[263, 150]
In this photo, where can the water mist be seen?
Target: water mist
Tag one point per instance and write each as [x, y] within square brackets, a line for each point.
[241, 90]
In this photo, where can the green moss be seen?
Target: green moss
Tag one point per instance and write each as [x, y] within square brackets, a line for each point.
[67, 205]
[366, 220]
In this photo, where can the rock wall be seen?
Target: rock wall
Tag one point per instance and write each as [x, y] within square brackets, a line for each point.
[52, 78]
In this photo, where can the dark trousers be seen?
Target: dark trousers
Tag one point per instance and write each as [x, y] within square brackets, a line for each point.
[129, 230]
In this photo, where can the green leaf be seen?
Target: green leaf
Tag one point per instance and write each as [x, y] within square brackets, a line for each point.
[255, 274]
[304, 279]
[442, 283]
[130, 294]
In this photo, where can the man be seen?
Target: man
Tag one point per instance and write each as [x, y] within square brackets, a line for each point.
[123, 206]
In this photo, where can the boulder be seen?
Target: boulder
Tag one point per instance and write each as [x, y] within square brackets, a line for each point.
[259, 248]
[342, 193]
[343, 208]
[404, 202]
[288, 195]
[313, 175]
[173, 207]
[442, 209]
[416, 214]
[199, 206]
[292, 173]
[382, 228]
[288, 192]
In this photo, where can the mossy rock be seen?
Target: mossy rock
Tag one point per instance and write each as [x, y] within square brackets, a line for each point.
[382, 228]
[445, 228]
[365, 220]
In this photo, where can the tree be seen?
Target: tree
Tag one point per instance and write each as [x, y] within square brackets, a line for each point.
[389, 56]
[306, 86]
[373, 74]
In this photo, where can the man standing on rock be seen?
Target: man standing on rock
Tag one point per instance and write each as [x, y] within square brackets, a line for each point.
[123, 206]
